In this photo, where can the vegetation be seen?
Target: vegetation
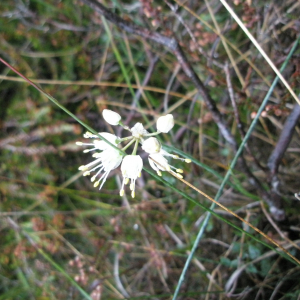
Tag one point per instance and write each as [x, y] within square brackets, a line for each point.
[229, 229]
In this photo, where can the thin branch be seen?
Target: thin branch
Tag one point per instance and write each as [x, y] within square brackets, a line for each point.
[278, 153]
[236, 114]
[117, 276]
[283, 141]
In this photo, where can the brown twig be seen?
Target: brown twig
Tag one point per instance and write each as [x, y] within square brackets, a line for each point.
[236, 114]
[283, 141]
[279, 150]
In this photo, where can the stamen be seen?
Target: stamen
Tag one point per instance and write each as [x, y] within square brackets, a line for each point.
[159, 173]
[179, 171]
[87, 173]
[103, 178]
[88, 135]
[126, 181]
[96, 183]
[93, 178]
[82, 168]
[122, 193]
[187, 160]
[133, 194]
[79, 143]
[179, 175]
[131, 186]
[97, 167]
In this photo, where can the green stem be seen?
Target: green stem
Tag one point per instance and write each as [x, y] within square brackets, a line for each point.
[135, 146]
[129, 144]
[124, 126]
[152, 134]
[125, 139]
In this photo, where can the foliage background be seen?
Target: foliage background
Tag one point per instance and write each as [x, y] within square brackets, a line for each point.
[59, 234]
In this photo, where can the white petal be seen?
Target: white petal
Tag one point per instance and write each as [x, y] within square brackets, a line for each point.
[151, 145]
[132, 166]
[111, 117]
[165, 123]
[138, 130]
[152, 164]
[102, 145]
[160, 162]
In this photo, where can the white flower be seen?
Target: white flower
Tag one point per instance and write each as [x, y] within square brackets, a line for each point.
[107, 156]
[165, 123]
[158, 162]
[151, 145]
[138, 130]
[131, 168]
[109, 159]
[98, 144]
[111, 117]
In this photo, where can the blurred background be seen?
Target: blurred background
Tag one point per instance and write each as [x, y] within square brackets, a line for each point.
[61, 238]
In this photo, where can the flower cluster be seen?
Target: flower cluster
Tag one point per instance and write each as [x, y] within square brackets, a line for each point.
[112, 154]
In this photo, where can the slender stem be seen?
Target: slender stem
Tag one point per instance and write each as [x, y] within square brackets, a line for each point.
[129, 144]
[125, 139]
[135, 146]
[152, 134]
[124, 126]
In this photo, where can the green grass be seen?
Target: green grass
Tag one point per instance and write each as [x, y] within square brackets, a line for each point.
[63, 239]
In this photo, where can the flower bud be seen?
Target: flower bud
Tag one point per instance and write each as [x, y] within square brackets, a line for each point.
[151, 145]
[138, 130]
[111, 117]
[165, 123]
